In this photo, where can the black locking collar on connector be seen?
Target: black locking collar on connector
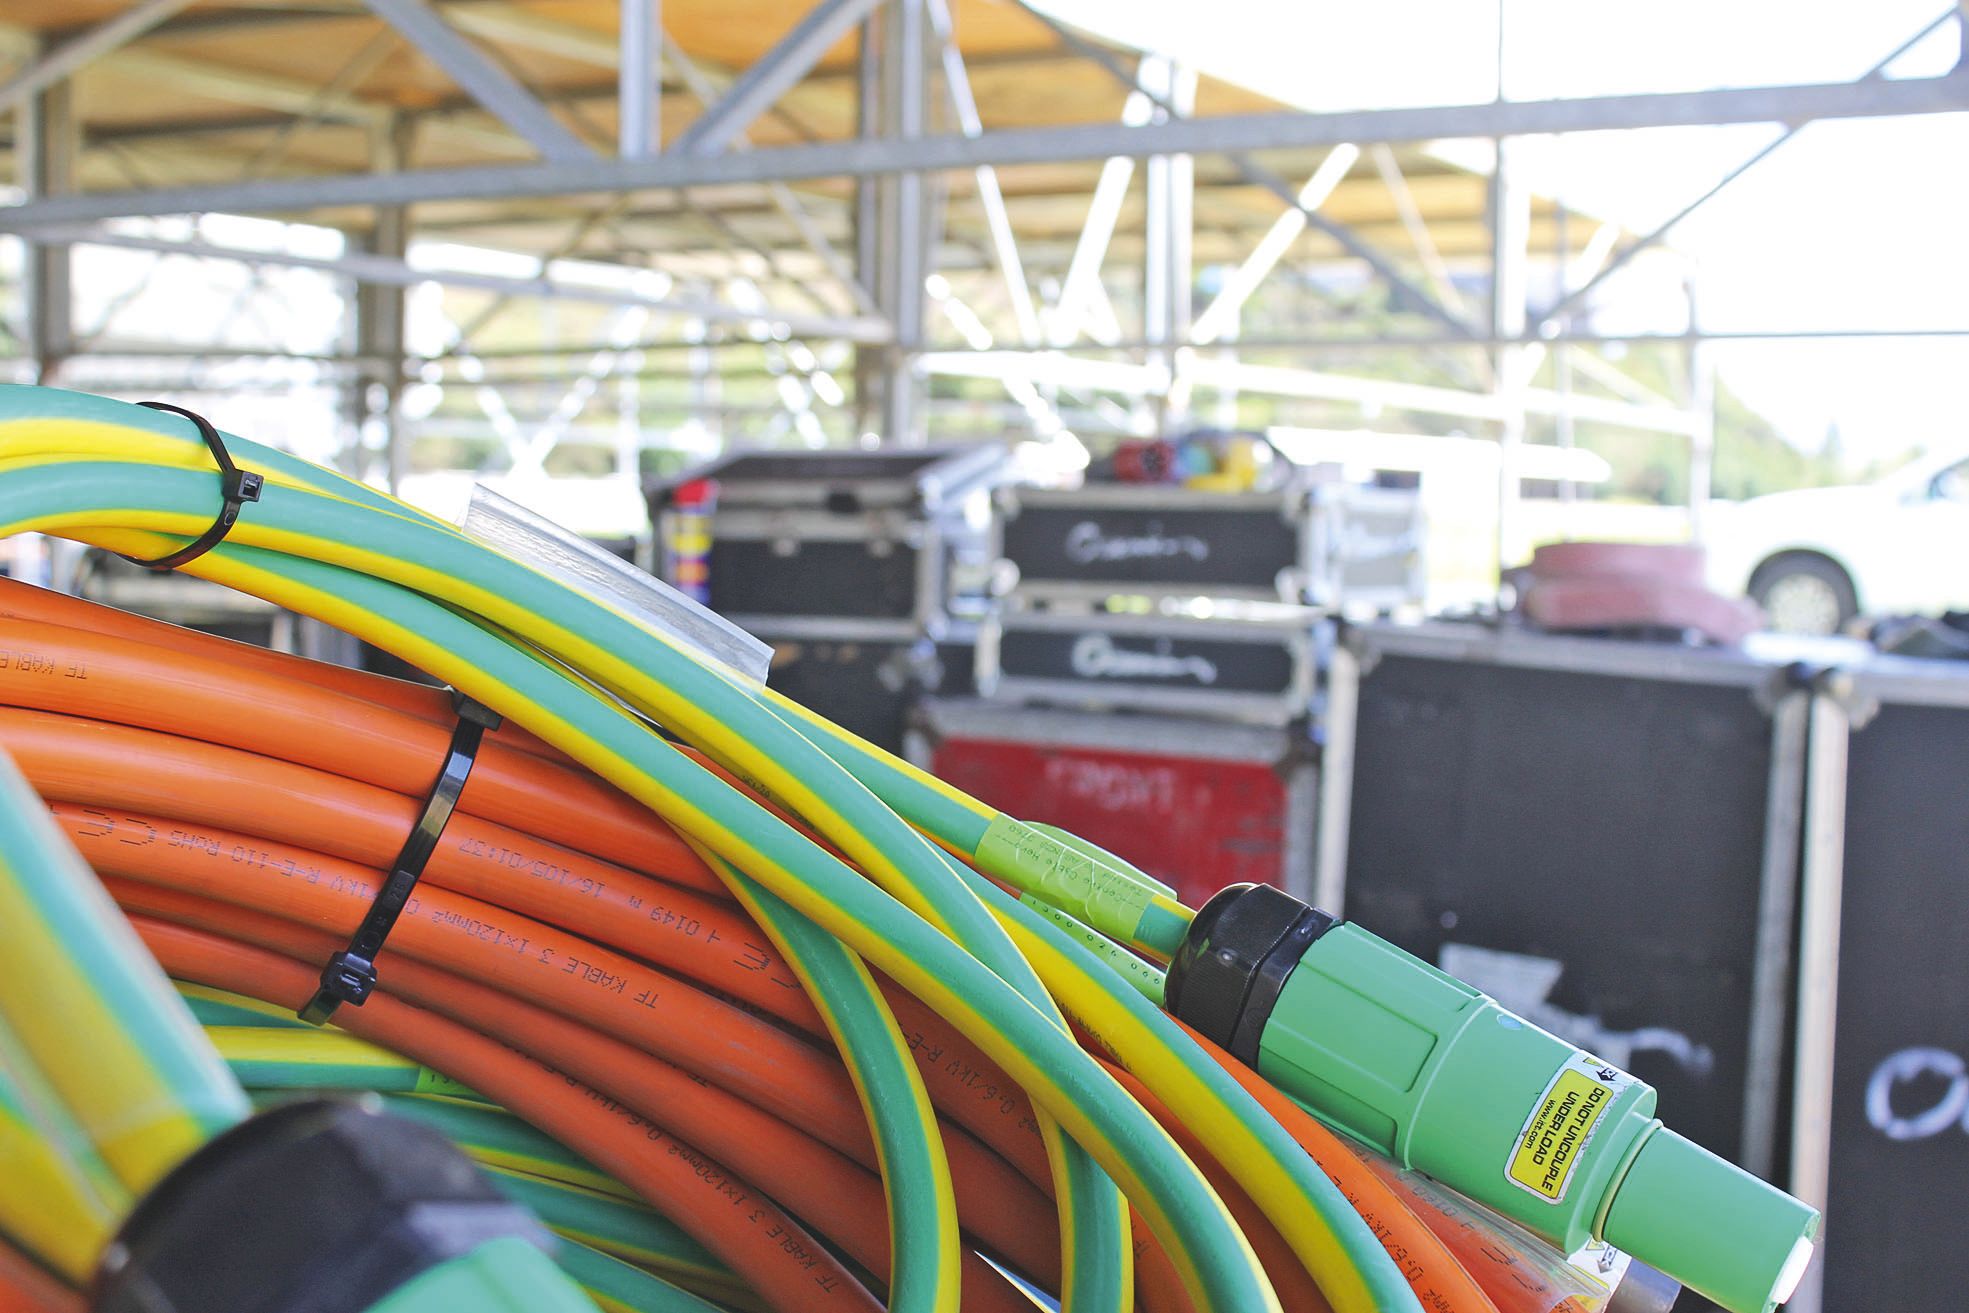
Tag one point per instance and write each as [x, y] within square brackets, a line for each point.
[1234, 960]
[320, 1206]
[350, 974]
[236, 486]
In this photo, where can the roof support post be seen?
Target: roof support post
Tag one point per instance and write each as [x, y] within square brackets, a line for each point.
[895, 227]
[1701, 366]
[1168, 227]
[46, 144]
[1513, 363]
[639, 79]
[376, 400]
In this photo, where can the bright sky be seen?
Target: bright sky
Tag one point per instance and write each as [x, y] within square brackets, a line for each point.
[1860, 224]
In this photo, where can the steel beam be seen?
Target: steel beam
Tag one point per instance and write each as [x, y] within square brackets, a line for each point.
[486, 82]
[1433, 265]
[339, 89]
[508, 23]
[1577, 297]
[1220, 318]
[991, 198]
[1257, 173]
[1168, 224]
[381, 269]
[639, 79]
[859, 158]
[902, 246]
[1700, 364]
[45, 147]
[705, 86]
[212, 81]
[379, 319]
[72, 54]
[1129, 379]
[767, 80]
[867, 223]
[1511, 366]
[1083, 278]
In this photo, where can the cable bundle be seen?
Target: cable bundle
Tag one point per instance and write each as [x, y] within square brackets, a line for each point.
[845, 1027]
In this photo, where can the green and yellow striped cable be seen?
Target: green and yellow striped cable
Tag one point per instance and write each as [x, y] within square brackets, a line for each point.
[278, 1058]
[60, 1204]
[1172, 1195]
[74, 981]
[104, 500]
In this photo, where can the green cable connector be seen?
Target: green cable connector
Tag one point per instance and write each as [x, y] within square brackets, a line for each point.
[330, 1203]
[1438, 1077]
[507, 1275]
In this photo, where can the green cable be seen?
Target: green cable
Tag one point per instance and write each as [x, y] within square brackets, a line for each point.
[272, 1058]
[1074, 1095]
[29, 1101]
[848, 814]
[629, 1231]
[1146, 977]
[217, 1007]
[1063, 870]
[495, 1136]
[1089, 1204]
[1175, 1195]
[59, 1203]
[926, 1260]
[616, 1287]
[91, 1010]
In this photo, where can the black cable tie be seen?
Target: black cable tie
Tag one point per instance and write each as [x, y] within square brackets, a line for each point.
[236, 486]
[350, 974]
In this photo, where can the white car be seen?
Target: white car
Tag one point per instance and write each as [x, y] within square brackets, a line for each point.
[1817, 558]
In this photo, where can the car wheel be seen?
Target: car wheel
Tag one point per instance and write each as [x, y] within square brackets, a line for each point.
[1803, 593]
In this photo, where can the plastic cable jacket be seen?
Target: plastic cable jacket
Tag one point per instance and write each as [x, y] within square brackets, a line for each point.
[92, 1011]
[1106, 897]
[898, 937]
[1520, 1272]
[51, 1200]
[350, 973]
[502, 523]
[614, 1284]
[1145, 977]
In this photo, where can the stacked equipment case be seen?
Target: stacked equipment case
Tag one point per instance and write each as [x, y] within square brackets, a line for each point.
[865, 570]
[1150, 677]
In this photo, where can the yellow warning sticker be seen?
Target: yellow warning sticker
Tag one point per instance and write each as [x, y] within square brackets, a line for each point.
[1562, 1124]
